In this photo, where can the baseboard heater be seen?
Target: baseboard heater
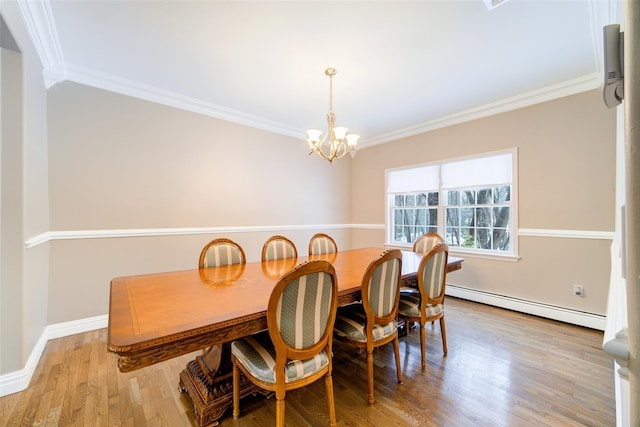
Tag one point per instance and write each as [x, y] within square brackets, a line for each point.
[588, 320]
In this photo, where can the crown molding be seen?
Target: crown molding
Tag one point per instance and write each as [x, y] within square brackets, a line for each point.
[98, 79]
[139, 90]
[41, 28]
[549, 93]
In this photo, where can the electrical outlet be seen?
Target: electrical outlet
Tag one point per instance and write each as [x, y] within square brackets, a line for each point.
[578, 290]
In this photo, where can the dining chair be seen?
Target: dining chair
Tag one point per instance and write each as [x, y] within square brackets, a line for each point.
[321, 243]
[372, 322]
[221, 251]
[278, 247]
[427, 305]
[296, 349]
[426, 242]
[216, 253]
[422, 245]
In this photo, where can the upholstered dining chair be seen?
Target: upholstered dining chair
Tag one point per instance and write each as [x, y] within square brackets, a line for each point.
[372, 322]
[426, 242]
[278, 247]
[216, 253]
[296, 351]
[221, 252]
[321, 243]
[427, 305]
[422, 245]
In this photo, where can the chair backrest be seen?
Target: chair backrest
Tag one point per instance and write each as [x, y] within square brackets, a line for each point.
[302, 311]
[427, 242]
[322, 243]
[432, 275]
[380, 288]
[221, 252]
[278, 247]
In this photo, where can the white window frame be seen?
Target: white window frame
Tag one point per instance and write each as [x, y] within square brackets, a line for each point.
[428, 187]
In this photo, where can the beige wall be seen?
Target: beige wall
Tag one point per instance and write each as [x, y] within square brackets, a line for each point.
[119, 162]
[122, 163]
[24, 197]
[116, 162]
[11, 210]
[566, 152]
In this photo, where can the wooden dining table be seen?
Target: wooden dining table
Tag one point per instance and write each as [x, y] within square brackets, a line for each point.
[156, 317]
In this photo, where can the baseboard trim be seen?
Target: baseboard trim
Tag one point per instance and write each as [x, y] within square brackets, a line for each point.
[14, 382]
[19, 380]
[65, 329]
[575, 317]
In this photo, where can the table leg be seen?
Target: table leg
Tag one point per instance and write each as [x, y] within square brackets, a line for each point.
[208, 381]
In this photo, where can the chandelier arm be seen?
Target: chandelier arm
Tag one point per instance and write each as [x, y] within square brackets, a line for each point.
[323, 154]
[323, 138]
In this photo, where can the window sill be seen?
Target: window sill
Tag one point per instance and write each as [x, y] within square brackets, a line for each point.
[463, 254]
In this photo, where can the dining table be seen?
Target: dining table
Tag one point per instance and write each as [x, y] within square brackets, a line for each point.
[156, 317]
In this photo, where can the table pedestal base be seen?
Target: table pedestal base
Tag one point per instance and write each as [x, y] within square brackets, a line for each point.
[208, 381]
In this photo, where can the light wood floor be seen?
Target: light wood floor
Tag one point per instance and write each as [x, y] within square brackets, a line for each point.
[503, 369]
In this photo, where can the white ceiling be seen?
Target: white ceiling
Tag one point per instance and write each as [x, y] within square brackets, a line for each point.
[403, 67]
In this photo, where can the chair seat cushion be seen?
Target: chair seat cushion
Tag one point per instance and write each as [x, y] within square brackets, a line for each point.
[350, 323]
[410, 306]
[258, 355]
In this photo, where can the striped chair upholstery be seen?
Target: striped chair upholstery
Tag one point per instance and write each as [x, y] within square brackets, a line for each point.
[297, 347]
[351, 322]
[221, 252]
[427, 305]
[372, 323]
[427, 242]
[258, 355]
[322, 243]
[278, 247]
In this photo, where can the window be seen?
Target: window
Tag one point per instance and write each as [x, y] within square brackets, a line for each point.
[414, 214]
[470, 202]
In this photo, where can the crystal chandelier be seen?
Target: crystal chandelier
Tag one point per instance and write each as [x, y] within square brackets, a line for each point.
[335, 143]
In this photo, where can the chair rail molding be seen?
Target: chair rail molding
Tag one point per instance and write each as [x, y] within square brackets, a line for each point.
[567, 234]
[152, 232]
[148, 232]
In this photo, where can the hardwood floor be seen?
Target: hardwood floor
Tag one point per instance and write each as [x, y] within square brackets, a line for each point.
[503, 369]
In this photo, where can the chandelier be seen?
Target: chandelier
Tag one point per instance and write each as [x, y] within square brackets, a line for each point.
[335, 143]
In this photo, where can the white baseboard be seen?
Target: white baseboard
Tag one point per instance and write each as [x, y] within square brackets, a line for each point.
[588, 320]
[65, 329]
[19, 380]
